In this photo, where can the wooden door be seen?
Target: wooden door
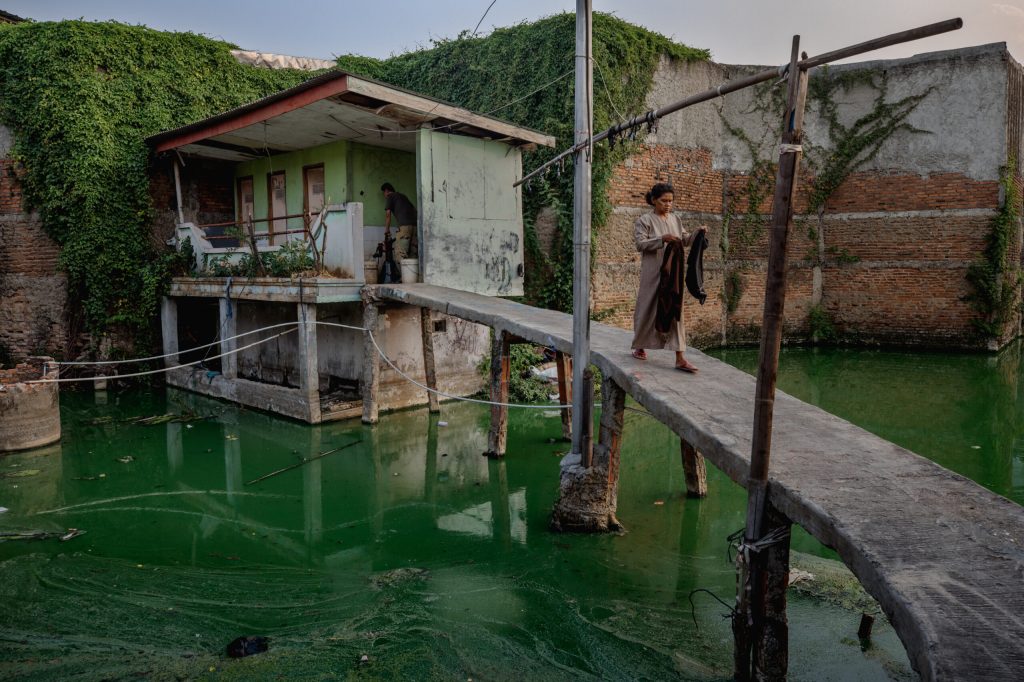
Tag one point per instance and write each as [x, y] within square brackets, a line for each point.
[277, 197]
[246, 201]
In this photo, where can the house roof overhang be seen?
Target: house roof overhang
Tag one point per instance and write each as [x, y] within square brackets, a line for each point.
[334, 106]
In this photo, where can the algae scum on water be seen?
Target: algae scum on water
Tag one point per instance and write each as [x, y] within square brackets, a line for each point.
[405, 556]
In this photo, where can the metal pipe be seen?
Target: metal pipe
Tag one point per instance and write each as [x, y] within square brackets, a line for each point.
[581, 230]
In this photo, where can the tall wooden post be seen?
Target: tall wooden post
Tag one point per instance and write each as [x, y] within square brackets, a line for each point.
[501, 369]
[749, 620]
[371, 362]
[427, 325]
[582, 399]
[563, 365]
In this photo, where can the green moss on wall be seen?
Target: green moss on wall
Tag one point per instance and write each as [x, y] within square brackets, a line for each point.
[80, 99]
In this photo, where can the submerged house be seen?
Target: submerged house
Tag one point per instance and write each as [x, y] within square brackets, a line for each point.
[300, 172]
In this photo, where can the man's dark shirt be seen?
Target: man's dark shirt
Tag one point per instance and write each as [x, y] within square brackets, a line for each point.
[402, 210]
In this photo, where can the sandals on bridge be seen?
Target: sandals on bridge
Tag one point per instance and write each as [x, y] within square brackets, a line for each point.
[639, 354]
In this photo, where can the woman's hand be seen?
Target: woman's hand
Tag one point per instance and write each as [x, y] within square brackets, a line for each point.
[669, 238]
[702, 228]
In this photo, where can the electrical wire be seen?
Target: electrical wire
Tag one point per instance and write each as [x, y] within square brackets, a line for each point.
[473, 35]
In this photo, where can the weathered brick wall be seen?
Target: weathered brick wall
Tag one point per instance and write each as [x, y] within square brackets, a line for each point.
[33, 293]
[887, 260]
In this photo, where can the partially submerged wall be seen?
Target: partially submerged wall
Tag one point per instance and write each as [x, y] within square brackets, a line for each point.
[884, 258]
[29, 413]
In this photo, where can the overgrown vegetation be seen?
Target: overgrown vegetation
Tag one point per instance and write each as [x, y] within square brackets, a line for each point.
[523, 386]
[292, 258]
[80, 98]
[524, 74]
[995, 284]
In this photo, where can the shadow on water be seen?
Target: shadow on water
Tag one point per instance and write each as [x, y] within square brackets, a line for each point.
[409, 548]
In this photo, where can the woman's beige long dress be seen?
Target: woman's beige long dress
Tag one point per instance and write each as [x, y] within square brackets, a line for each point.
[647, 232]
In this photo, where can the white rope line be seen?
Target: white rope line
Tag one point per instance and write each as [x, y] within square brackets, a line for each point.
[179, 352]
[373, 339]
[479, 401]
[163, 369]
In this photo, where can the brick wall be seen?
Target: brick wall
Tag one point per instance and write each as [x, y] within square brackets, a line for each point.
[891, 252]
[33, 294]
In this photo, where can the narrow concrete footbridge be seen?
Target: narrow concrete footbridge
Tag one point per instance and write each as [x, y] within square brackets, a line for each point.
[942, 555]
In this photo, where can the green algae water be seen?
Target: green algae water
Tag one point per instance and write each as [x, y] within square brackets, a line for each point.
[404, 555]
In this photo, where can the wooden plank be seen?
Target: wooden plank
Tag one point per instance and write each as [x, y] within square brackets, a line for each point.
[694, 470]
[563, 365]
[771, 646]
[430, 373]
[609, 452]
[501, 368]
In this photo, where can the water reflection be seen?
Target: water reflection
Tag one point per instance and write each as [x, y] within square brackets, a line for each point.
[410, 545]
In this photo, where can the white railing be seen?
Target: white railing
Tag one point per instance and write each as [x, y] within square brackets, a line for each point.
[334, 239]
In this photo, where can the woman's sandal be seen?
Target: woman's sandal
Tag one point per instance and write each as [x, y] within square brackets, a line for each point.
[640, 354]
[687, 367]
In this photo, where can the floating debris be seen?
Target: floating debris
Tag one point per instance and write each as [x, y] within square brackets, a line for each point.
[126, 459]
[397, 576]
[20, 474]
[151, 420]
[71, 533]
[442, 423]
[89, 478]
[247, 646]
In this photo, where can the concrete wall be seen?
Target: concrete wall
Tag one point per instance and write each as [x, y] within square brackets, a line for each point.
[887, 259]
[472, 222]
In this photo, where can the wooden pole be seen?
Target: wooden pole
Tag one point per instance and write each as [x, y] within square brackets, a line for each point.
[582, 399]
[501, 369]
[427, 328]
[563, 365]
[751, 605]
[694, 470]
[371, 363]
[177, 192]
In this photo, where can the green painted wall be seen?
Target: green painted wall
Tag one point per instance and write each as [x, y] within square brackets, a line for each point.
[352, 172]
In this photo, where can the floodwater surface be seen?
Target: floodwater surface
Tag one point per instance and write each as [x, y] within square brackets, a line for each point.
[406, 554]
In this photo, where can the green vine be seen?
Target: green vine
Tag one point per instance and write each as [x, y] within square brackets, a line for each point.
[80, 99]
[994, 282]
[854, 145]
[486, 74]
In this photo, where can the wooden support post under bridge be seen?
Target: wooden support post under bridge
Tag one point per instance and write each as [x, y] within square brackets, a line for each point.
[501, 369]
[694, 470]
[429, 371]
[563, 365]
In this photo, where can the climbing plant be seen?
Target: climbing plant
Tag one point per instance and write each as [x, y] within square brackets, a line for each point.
[524, 74]
[830, 161]
[81, 98]
[994, 283]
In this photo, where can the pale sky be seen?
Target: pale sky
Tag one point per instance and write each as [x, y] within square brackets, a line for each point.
[736, 31]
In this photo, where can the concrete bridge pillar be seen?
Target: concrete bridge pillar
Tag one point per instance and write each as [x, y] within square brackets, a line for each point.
[588, 496]
[371, 362]
[228, 328]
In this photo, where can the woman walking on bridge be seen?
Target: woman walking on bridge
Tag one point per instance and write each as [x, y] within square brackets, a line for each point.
[653, 232]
